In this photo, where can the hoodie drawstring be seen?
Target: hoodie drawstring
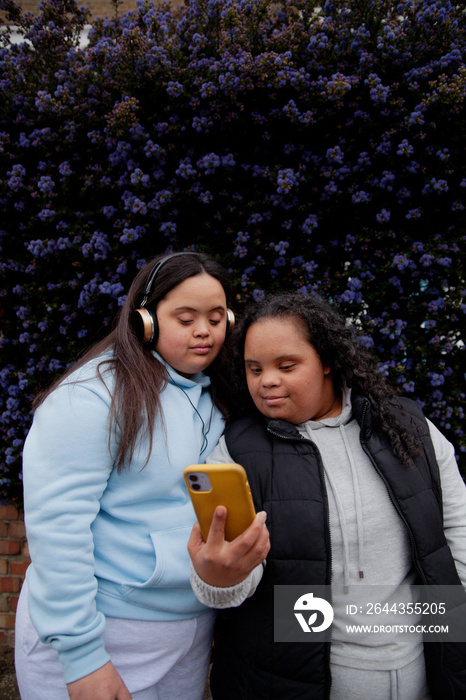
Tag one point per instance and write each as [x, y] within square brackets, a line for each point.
[344, 531]
[358, 502]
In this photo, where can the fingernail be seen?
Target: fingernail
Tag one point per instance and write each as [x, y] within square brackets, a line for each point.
[262, 516]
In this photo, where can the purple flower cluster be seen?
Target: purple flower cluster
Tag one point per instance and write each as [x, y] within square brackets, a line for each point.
[314, 150]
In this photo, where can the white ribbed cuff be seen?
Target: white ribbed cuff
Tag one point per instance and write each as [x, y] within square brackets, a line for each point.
[229, 597]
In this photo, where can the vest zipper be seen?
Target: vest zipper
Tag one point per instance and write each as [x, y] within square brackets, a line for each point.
[301, 438]
[392, 499]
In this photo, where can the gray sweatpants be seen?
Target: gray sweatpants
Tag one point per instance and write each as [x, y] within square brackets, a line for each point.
[406, 683]
[157, 660]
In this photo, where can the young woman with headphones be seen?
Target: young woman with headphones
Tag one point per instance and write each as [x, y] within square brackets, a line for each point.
[107, 611]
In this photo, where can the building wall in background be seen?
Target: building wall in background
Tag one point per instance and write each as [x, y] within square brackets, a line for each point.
[98, 8]
[14, 560]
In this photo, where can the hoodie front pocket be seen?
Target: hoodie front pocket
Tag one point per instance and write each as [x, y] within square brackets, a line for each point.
[172, 563]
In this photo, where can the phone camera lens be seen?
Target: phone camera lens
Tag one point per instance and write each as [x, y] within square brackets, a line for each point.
[193, 477]
[196, 487]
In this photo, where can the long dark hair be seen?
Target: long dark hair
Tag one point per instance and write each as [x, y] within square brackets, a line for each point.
[139, 376]
[338, 346]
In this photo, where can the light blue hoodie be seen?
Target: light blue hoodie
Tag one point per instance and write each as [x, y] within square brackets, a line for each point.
[103, 543]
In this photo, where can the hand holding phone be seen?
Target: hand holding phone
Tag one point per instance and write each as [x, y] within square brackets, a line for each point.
[211, 485]
[226, 543]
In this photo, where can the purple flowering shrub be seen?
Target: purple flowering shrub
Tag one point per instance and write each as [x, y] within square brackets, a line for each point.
[319, 150]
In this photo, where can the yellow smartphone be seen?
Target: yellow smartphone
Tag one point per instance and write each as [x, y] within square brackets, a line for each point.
[212, 485]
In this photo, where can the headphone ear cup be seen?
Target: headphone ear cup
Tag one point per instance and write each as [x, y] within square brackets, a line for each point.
[230, 320]
[145, 326]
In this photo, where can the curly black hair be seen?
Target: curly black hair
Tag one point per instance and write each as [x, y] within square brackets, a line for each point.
[337, 344]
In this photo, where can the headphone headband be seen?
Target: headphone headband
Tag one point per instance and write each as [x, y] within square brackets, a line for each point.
[153, 274]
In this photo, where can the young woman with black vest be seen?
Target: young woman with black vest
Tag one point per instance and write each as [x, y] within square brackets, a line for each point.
[362, 493]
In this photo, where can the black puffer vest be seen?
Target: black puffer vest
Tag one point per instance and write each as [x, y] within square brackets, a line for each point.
[287, 481]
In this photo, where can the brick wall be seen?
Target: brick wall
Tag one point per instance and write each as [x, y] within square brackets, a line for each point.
[14, 560]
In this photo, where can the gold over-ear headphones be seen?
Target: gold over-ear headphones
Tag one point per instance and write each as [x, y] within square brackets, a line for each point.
[144, 323]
